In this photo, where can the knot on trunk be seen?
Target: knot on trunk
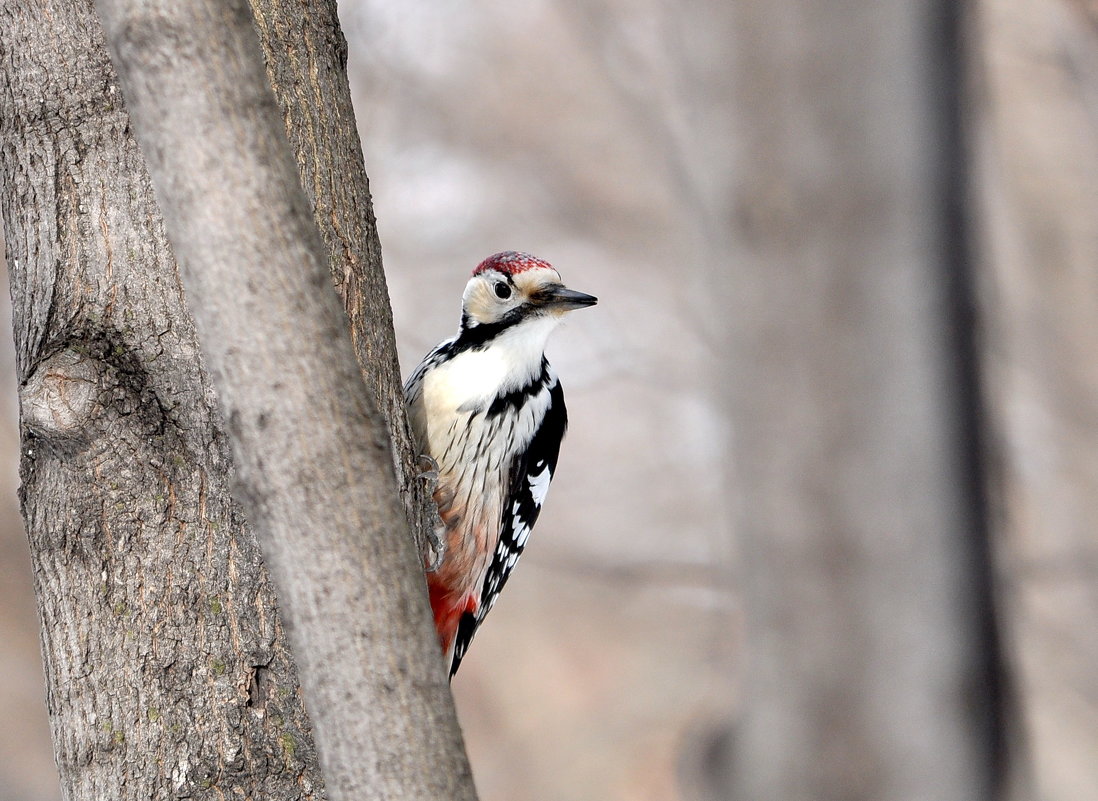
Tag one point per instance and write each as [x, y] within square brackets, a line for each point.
[61, 397]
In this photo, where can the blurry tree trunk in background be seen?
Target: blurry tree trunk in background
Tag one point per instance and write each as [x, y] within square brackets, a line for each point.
[872, 666]
[1039, 181]
[168, 674]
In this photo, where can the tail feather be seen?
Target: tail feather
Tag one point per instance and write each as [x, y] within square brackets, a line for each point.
[452, 613]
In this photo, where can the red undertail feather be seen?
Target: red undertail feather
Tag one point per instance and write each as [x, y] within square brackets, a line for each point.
[448, 609]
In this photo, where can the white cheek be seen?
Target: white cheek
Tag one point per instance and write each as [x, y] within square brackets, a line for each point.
[482, 304]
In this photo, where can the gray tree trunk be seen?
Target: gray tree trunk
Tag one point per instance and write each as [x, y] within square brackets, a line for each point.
[167, 671]
[312, 453]
[320, 125]
[872, 665]
[168, 674]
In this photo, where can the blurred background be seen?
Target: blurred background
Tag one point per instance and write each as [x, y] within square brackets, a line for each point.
[600, 136]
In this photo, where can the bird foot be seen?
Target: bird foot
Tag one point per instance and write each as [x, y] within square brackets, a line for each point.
[431, 473]
[436, 544]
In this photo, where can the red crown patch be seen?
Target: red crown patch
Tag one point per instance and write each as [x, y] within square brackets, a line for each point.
[511, 262]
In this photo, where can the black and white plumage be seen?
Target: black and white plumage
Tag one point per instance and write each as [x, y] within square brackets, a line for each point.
[489, 409]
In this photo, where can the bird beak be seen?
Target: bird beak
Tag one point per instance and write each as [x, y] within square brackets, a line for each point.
[561, 298]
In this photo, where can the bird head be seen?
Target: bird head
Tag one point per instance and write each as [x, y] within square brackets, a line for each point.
[513, 288]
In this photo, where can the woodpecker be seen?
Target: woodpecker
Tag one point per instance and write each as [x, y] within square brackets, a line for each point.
[488, 409]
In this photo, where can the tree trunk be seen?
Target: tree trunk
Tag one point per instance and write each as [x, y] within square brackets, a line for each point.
[313, 457]
[320, 125]
[872, 667]
[167, 671]
[1039, 180]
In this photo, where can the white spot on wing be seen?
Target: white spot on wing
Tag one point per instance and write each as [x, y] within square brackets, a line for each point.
[521, 535]
[539, 485]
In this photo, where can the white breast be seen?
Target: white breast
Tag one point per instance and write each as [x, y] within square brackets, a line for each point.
[473, 378]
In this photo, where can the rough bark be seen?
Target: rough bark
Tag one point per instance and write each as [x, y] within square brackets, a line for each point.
[167, 671]
[314, 464]
[320, 126]
[872, 666]
[168, 674]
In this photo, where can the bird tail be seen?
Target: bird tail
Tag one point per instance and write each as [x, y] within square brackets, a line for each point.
[453, 612]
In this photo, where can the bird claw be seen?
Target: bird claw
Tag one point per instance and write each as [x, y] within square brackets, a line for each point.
[436, 551]
[435, 543]
[431, 473]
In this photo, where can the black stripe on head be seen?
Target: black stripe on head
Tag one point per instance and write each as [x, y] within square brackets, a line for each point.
[477, 336]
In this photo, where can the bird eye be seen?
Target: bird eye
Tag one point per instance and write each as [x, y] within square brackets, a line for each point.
[502, 290]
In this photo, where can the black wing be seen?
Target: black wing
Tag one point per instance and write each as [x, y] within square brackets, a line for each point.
[530, 474]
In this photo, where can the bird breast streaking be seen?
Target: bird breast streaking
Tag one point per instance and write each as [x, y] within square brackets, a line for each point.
[486, 406]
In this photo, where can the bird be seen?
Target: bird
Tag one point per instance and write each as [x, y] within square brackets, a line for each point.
[487, 411]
